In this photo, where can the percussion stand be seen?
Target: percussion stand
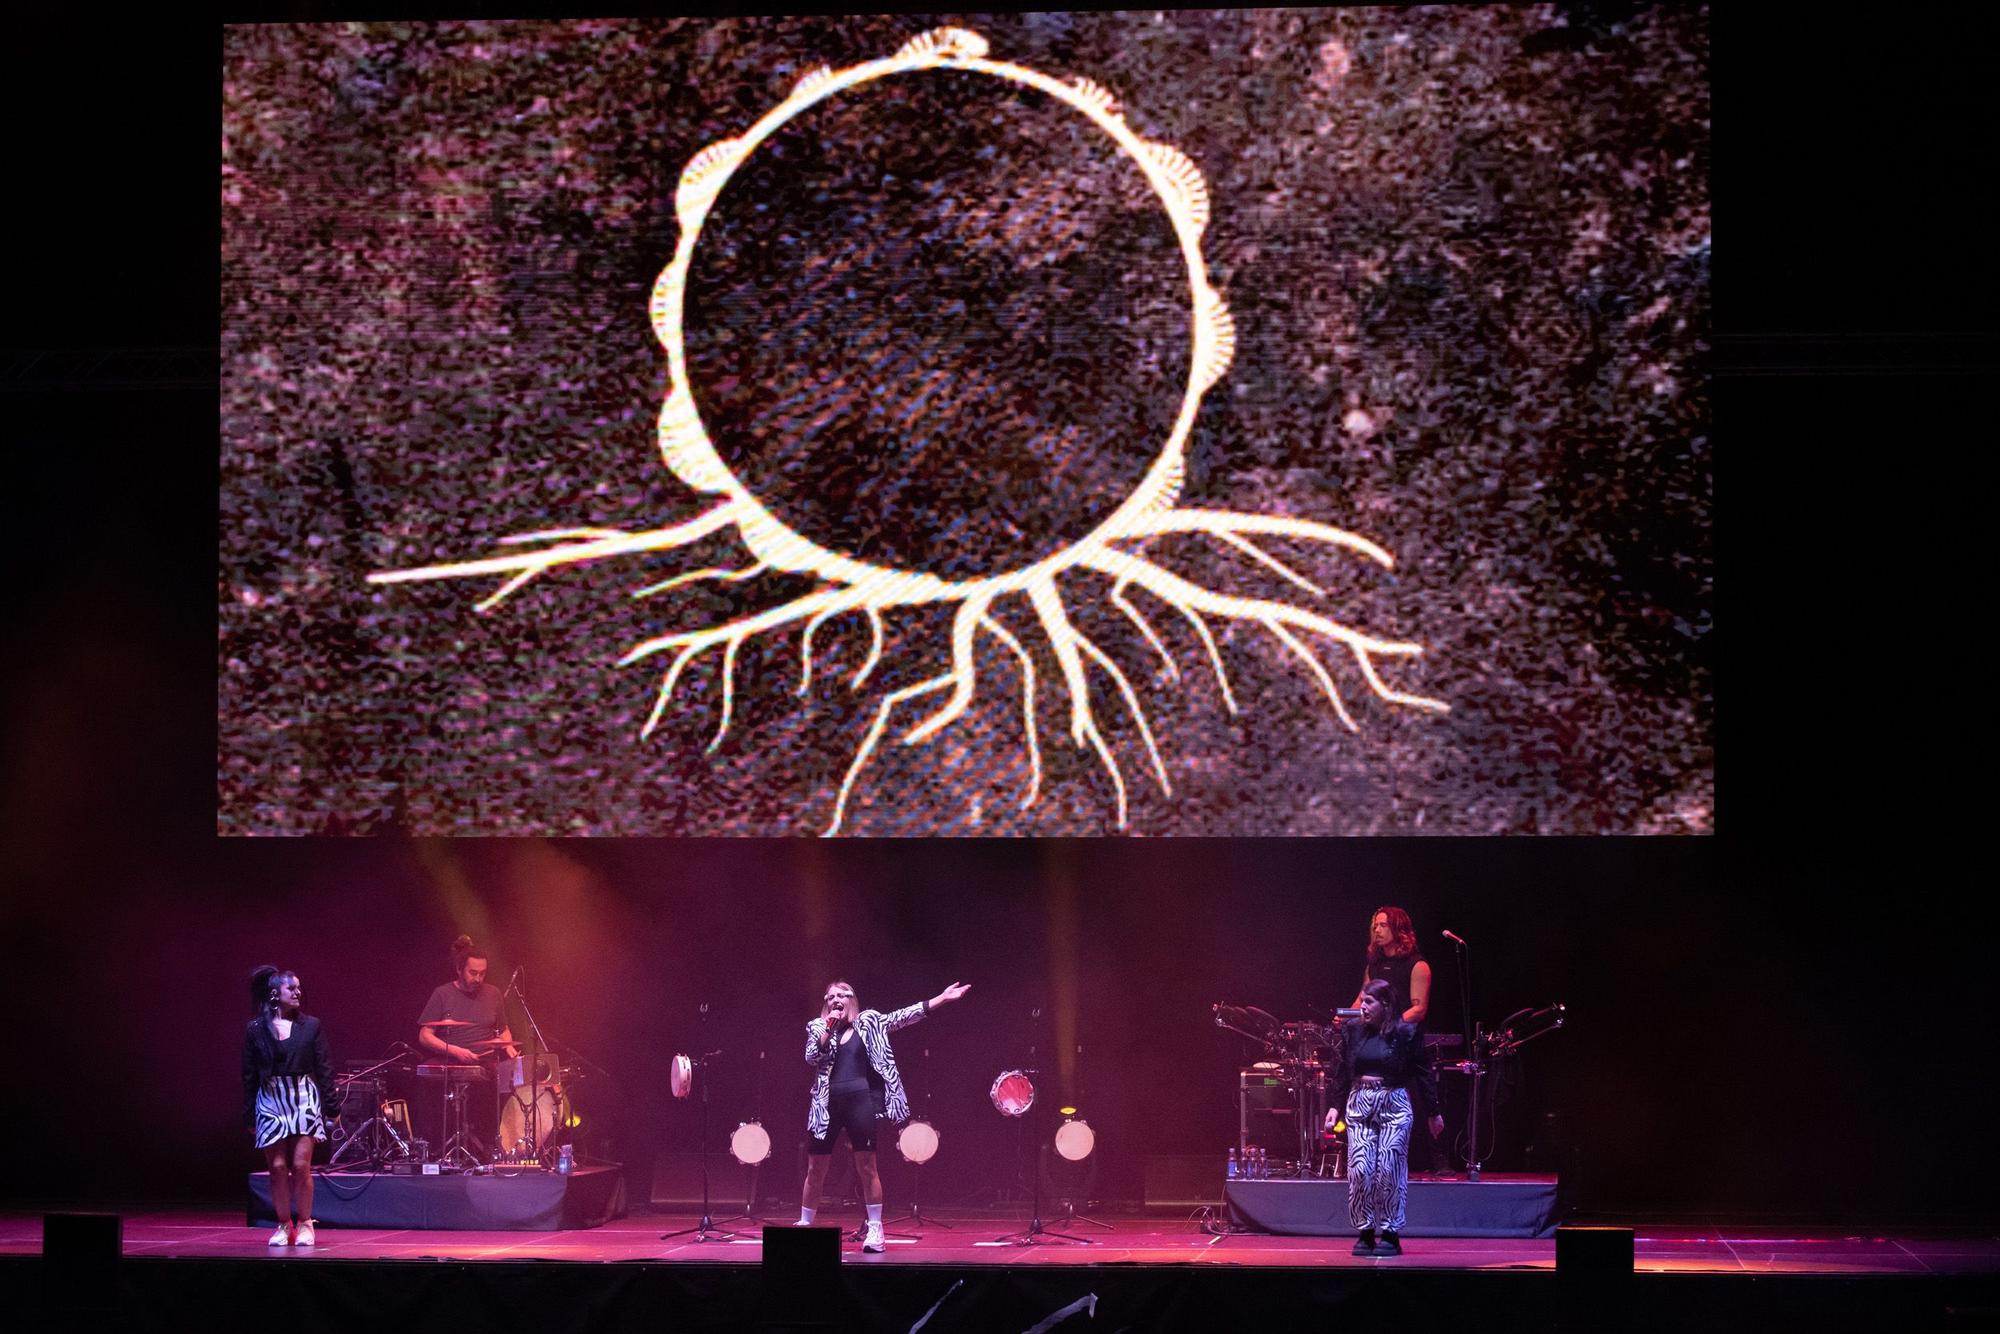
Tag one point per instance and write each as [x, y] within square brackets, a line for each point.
[1070, 1217]
[454, 1112]
[370, 1132]
[705, 1230]
[916, 1214]
[1035, 1234]
[749, 1214]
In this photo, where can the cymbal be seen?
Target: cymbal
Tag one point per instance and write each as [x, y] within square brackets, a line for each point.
[446, 1023]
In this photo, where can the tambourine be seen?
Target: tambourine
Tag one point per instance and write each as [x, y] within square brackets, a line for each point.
[1013, 1093]
[682, 1078]
[1075, 1139]
[917, 1142]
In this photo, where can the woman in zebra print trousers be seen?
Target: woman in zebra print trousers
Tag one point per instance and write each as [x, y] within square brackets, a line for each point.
[287, 1095]
[1382, 1059]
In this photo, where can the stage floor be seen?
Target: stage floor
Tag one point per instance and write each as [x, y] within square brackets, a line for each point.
[1152, 1241]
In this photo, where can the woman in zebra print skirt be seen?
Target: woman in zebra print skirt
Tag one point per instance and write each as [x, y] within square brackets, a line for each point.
[287, 1095]
[1382, 1059]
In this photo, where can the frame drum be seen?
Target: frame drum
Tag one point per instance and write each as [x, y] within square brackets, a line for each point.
[750, 1144]
[917, 1142]
[1075, 1139]
[1013, 1093]
[551, 1115]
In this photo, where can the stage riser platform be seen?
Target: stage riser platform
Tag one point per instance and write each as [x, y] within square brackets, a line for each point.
[1498, 1206]
[181, 1294]
[532, 1201]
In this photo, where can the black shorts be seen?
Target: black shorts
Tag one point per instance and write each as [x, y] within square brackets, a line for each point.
[852, 1111]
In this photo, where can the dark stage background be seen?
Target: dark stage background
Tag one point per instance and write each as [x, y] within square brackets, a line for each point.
[1727, 1027]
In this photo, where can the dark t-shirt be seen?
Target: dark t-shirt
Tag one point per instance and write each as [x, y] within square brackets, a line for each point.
[482, 1010]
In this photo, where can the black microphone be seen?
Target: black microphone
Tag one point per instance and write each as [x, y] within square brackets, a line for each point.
[1453, 936]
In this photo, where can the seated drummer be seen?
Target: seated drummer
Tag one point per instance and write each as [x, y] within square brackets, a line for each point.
[465, 1023]
[465, 1011]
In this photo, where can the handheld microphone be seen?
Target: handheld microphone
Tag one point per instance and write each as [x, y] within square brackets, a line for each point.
[1454, 937]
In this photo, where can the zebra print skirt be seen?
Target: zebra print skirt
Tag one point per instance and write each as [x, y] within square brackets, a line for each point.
[288, 1105]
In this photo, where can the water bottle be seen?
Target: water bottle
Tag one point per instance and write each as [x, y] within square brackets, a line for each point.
[565, 1161]
[1232, 1164]
[1262, 1165]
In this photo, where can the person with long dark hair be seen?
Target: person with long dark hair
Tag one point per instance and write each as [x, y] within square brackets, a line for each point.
[287, 1095]
[1382, 1060]
[1393, 957]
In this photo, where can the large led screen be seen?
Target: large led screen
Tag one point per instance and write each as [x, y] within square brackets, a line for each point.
[1256, 422]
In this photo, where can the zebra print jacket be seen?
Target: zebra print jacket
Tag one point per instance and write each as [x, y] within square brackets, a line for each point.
[874, 1028]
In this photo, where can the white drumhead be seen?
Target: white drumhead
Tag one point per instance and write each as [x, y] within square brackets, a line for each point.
[750, 1145]
[682, 1078]
[1075, 1140]
[918, 1142]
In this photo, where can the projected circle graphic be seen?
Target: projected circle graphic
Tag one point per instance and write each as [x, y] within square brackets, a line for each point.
[800, 506]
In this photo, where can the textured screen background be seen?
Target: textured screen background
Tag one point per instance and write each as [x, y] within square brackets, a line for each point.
[939, 321]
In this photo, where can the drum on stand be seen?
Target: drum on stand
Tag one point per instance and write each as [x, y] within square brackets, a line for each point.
[1013, 1093]
[1075, 1139]
[750, 1143]
[918, 1142]
[547, 1115]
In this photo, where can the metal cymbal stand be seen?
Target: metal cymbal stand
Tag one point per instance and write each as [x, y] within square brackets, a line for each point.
[370, 1132]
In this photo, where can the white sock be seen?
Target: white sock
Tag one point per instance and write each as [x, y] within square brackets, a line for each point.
[875, 1214]
[806, 1215]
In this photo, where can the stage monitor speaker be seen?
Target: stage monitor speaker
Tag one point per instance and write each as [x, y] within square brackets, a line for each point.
[1593, 1277]
[1184, 1180]
[801, 1276]
[80, 1260]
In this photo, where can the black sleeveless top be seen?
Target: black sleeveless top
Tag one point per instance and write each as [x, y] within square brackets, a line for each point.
[851, 1067]
[1395, 969]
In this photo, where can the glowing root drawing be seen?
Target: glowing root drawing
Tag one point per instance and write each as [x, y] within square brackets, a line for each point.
[1116, 550]
[1074, 651]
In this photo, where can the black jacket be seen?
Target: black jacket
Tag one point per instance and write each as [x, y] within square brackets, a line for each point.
[305, 1054]
[1409, 1063]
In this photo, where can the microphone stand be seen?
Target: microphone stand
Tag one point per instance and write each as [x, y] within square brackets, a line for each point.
[531, 1129]
[1471, 1066]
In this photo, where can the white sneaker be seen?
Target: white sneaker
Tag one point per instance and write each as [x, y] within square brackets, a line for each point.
[304, 1236]
[281, 1237]
[872, 1239]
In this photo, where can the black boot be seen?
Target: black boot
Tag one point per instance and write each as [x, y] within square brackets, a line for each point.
[1366, 1246]
[1387, 1244]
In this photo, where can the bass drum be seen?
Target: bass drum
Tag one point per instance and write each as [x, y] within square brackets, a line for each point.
[750, 1144]
[917, 1142]
[548, 1119]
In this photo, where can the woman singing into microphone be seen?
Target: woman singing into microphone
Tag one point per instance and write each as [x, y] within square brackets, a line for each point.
[855, 1081]
[287, 1091]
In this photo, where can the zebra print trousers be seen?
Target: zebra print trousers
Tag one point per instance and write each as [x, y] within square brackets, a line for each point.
[1378, 1157]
